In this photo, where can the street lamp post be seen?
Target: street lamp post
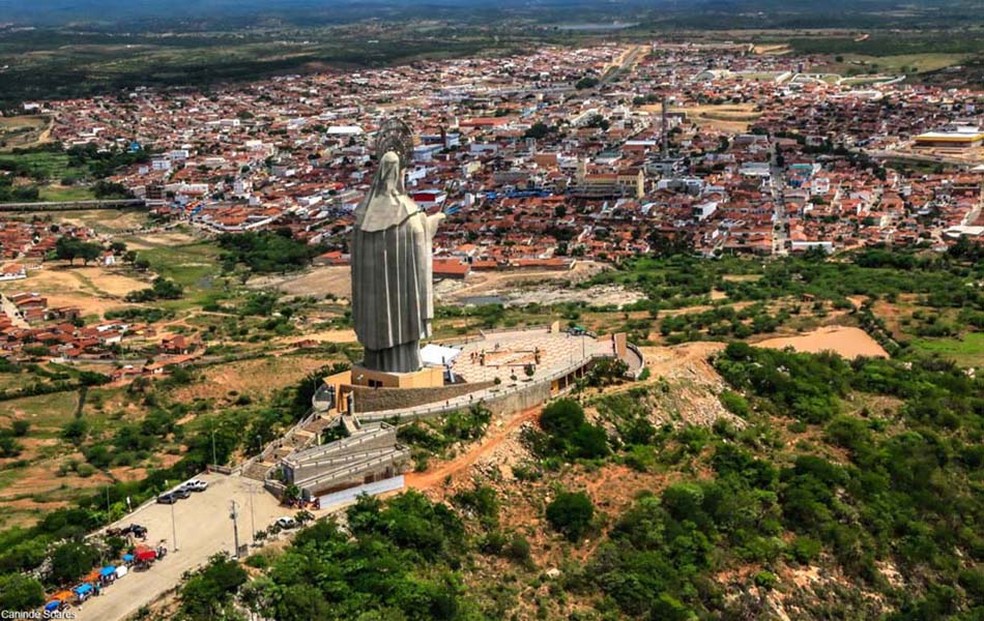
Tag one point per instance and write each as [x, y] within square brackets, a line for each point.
[252, 517]
[174, 529]
[235, 531]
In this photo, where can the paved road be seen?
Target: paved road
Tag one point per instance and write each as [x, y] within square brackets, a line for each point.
[625, 64]
[7, 307]
[203, 529]
[780, 220]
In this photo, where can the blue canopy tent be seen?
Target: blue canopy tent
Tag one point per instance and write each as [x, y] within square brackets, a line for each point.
[84, 590]
[52, 605]
[108, 570]
[127, 558]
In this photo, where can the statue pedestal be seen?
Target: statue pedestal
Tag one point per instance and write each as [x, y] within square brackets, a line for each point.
[428, 377]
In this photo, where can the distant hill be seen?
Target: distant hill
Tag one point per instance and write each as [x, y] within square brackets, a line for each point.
[193, 14]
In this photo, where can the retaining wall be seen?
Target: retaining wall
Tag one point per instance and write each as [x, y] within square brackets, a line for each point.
[381, 399]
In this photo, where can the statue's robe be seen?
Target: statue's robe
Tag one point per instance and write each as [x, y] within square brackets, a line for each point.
[392, 274]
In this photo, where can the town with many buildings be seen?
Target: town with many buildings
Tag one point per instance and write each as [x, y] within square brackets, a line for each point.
[540, 160]
[678, 331]
[591, 154]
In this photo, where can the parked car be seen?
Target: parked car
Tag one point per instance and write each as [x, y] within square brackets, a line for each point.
[180, 492]
[167, 499]
[136, 530]
[286, 522]
[195, 485]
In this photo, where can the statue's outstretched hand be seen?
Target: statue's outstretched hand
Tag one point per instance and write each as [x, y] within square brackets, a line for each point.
[433, 221]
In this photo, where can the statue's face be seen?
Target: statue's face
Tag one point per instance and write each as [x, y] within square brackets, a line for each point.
[390, 172]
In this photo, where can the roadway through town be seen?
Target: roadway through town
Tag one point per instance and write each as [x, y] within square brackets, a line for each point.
[10, 310]
[780, 220]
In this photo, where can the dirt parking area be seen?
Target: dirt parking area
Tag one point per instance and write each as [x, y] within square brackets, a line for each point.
[102, 221]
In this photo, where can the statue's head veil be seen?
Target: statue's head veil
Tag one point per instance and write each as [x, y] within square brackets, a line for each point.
[387, 203]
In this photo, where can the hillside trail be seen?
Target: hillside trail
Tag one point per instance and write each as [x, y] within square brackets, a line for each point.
[434, 477]
[687, 360]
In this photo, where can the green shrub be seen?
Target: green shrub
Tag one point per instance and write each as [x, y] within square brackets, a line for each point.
[571, 514]
[735, 403]
[805, 550]
[19, 592]
[85, 471]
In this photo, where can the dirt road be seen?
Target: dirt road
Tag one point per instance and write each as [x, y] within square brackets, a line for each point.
[434, 477]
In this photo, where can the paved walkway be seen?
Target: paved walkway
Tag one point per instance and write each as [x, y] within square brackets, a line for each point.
[559, 353]
[502, 354]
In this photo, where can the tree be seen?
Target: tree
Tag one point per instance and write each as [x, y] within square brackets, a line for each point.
[562, 417]
[292, 493]
[586, 82]
[539, 130]
[18, 592]
[70, 248]
[571, 514]
[71, 561]
[569, 434]
[75, 431]
[205, 594]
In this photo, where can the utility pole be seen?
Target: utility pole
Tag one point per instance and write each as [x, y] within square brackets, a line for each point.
[252, 518]
[174, 529]
[215, 461]
[235, 530]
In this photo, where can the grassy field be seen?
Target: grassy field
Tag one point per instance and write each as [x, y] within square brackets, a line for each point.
[18, 132]
[968, 350]
[43, 164]
[46, 413]
[903, 63]
[190, 265]
[66, 193]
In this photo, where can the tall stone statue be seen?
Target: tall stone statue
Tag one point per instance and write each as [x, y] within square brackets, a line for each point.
[392, 273]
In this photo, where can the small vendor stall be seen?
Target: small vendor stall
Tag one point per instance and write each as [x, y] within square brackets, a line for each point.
[107, 575]
[145, 556]
[83, 592]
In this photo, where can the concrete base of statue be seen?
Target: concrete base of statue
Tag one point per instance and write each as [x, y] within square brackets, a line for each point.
[427, 377]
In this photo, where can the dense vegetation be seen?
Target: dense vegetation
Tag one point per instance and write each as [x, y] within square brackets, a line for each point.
[400, 562]
[242, 427]
[265, 252]
[51, 163]
[865, 491]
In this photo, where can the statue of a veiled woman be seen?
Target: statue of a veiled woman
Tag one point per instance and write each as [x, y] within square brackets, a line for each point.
[392, 273]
